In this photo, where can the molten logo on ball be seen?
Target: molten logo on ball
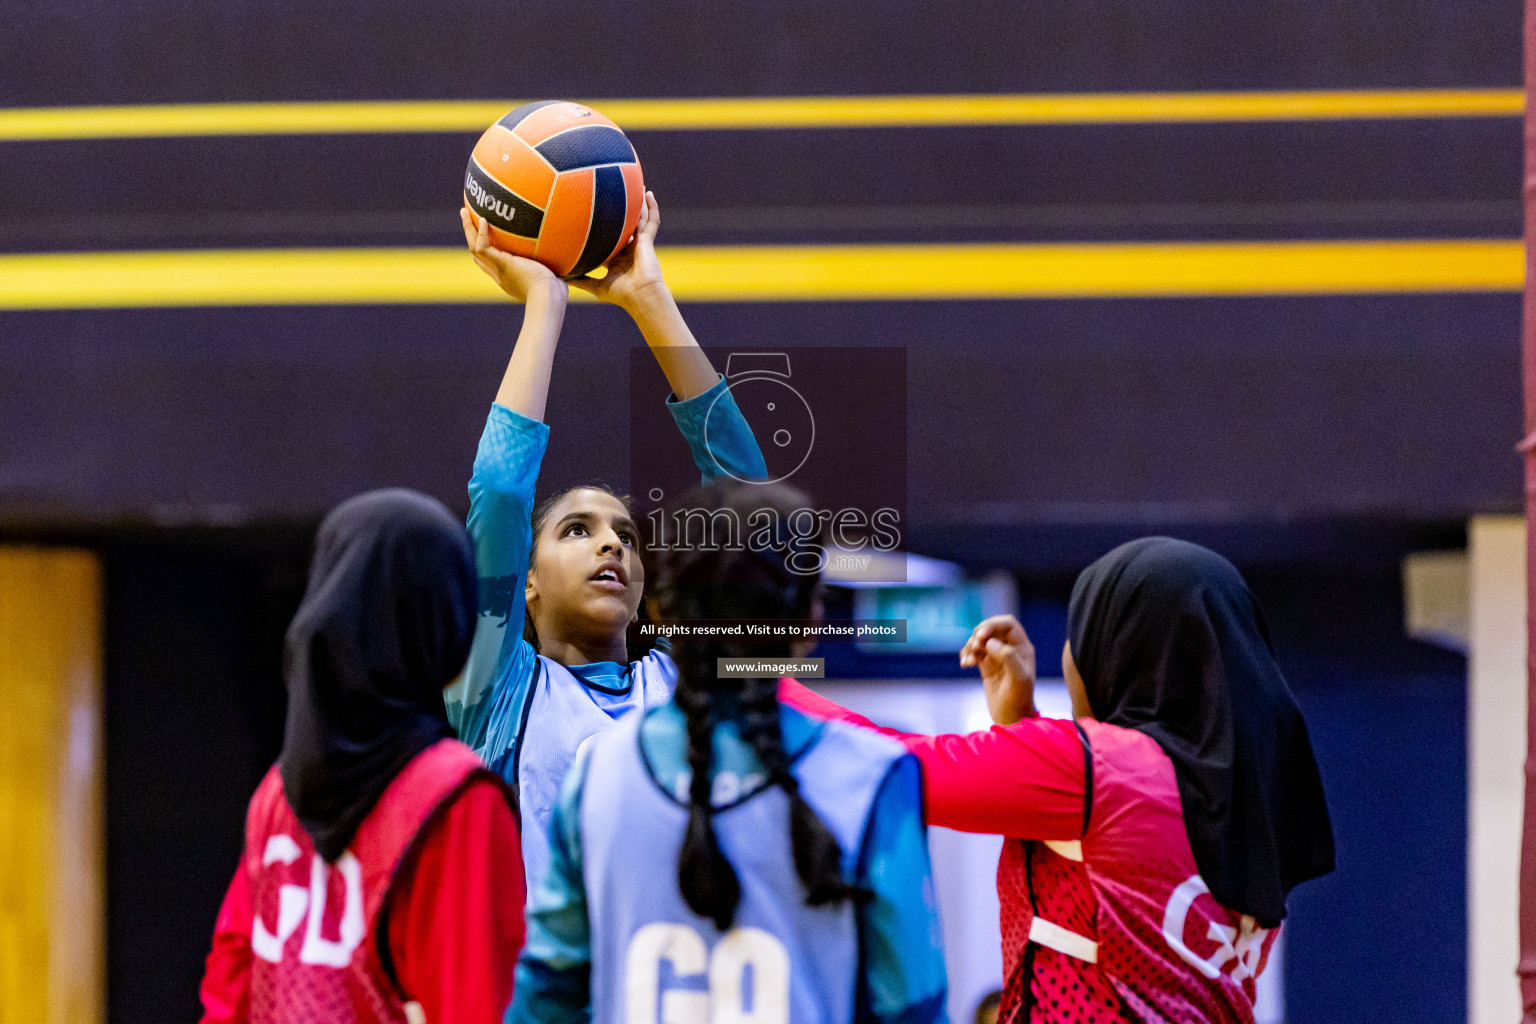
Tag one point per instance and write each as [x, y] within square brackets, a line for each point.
[558, 183]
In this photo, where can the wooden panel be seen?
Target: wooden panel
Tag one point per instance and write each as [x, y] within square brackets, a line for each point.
[52, 911]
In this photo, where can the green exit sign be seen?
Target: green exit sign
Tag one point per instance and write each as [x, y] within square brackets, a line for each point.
[939, 619]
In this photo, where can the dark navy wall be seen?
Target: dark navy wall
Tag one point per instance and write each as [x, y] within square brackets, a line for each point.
[1020, 414]
[1252, 409]
[1384, 937]
[1456, 177]
[92, 51]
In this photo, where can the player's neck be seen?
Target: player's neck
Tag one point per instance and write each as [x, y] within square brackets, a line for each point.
[584, 651]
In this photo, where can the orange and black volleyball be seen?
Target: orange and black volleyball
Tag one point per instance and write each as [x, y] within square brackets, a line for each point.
[559, 183]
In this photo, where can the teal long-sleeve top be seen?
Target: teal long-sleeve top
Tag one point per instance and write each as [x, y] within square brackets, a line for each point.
[485, 704]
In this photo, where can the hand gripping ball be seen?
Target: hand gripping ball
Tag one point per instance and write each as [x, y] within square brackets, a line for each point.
[559, 183]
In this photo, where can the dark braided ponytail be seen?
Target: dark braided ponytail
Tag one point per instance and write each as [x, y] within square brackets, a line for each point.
[706, 878]
[739, 583]
[818, 859]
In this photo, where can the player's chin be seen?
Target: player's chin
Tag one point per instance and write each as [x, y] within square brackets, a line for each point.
[608, 613]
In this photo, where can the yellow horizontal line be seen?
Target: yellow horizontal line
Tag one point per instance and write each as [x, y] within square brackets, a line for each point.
[259, 277]
[388, 117]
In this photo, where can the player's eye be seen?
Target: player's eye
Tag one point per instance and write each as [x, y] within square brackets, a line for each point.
[627, 538]
[575, 530]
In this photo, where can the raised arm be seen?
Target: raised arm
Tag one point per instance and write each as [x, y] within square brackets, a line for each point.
[635, 284]
[1025, 779]
[501, 487]
[525, 386]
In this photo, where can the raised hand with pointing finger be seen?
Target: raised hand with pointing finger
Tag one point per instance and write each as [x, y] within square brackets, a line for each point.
[1001, 650]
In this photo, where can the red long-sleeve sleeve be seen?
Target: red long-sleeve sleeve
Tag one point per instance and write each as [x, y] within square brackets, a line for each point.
[1024, 781]
[455, 922]
[226, 987]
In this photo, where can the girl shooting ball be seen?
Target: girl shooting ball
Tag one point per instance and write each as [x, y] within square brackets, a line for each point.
[569, 569]
[722, 837]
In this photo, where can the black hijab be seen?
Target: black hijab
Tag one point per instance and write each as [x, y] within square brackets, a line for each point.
[385, 624]
[1170, 641]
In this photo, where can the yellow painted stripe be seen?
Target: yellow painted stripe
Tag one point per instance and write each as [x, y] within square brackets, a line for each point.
[778, 273]
[326, 118]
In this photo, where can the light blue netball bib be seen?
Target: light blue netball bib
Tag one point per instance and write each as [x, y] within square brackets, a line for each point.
[653, 959]
[563, 711]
